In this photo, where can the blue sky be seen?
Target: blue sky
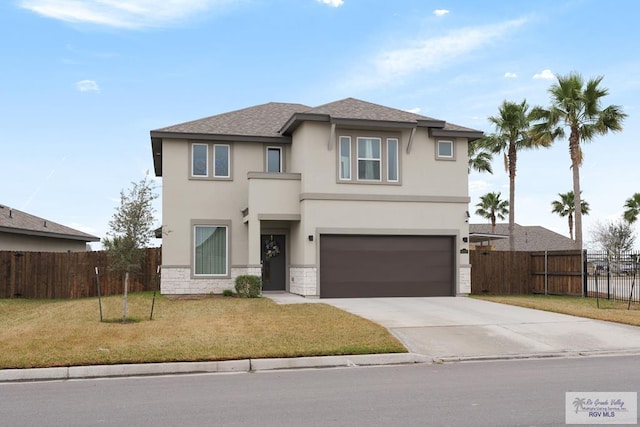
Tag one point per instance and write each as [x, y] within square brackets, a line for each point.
[83, 83]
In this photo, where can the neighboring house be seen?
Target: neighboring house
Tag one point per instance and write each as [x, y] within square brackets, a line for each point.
[20, 231]
[528, 238]
[348, 199]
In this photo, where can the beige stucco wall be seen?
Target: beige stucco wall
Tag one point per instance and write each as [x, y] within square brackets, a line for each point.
[21, 242]
[185, 199]
[420, 172]
[430, 199]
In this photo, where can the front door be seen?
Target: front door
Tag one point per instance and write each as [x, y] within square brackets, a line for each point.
[273, 262]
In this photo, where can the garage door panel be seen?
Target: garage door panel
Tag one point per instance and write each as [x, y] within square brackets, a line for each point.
[383, 266]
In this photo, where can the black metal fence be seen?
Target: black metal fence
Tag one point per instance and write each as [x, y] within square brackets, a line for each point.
[613, 276]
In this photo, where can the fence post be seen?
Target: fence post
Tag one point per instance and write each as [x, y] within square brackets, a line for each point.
[585, 273]
[546, 272]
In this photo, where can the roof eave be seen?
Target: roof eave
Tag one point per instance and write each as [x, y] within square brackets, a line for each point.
[368, 123]
[25, 232]
[431, 123]
[192, 136]
[471, 135]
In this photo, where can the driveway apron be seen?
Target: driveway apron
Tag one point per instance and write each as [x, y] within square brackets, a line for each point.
[461, 327]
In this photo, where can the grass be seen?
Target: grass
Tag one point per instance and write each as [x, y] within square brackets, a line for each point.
[613, 311]
[47, 333]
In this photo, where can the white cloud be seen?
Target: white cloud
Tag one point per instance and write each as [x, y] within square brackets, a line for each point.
[132, 14]
[509, 75]
[333, 3]
[478, 186]
[87, 86]
[545, 74]
[429, 54]
[440, 12]
[415, 110]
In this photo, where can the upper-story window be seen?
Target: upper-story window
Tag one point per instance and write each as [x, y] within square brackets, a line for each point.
[369, 159]
[392, 160]
[274, 159]
[345, 158]
[200, 160]
[444, 150]
[221, 160]
[211, 161]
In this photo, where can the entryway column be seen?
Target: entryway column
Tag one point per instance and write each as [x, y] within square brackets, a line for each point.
[255, 247]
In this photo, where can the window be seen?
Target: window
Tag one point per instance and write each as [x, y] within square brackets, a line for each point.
[210, 251]
[392, 160]
[274, 159]
[199, 160]
[376, 159]
[345, 158]
[369, 159]
[221, 161]
[445, 150]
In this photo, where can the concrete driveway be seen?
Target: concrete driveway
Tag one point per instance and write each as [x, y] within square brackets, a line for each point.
[454, 328]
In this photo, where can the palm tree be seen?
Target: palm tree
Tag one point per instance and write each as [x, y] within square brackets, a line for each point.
[479, 158]
[633, 208]
[565, 207]
[491, 207]
[576, 106]
[512, 124]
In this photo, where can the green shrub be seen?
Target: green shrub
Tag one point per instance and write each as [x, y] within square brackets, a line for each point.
[227, 293]
[248, 286]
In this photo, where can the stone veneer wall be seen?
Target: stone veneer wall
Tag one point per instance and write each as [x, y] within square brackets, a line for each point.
[178, 281]
[304, 281]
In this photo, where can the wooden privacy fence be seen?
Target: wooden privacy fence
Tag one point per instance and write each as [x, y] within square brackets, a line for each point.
[517, 273]
[70, 275]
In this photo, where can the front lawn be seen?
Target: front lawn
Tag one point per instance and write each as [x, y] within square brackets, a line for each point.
[613, 311]
[46, 333]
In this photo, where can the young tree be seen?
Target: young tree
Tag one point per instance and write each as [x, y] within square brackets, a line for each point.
[512, 125]
[633, 208]
[615, 237]
[577, 107]
[565, 207]
[491, 207]
[131, 230]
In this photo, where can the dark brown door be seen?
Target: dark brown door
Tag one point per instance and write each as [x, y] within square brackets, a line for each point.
[273, 262]
[386, 266]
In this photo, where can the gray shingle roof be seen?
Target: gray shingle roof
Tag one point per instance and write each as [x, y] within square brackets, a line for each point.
[260, 120]
[268, 119]
[351, 108]
[15, 221]
[528, 238]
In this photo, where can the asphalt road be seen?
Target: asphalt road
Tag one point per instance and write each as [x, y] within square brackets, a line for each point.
[504, 393]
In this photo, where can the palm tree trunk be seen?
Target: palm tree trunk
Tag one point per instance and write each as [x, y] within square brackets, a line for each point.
[570, 217]
[124, 301]
[512, 196]
[574, 150]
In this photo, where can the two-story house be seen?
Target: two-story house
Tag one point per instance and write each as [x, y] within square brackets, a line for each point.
[348, 199]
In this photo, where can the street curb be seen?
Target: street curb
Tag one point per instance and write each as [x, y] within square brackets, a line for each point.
[338, 361]
[524, 356]
[172, 368]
